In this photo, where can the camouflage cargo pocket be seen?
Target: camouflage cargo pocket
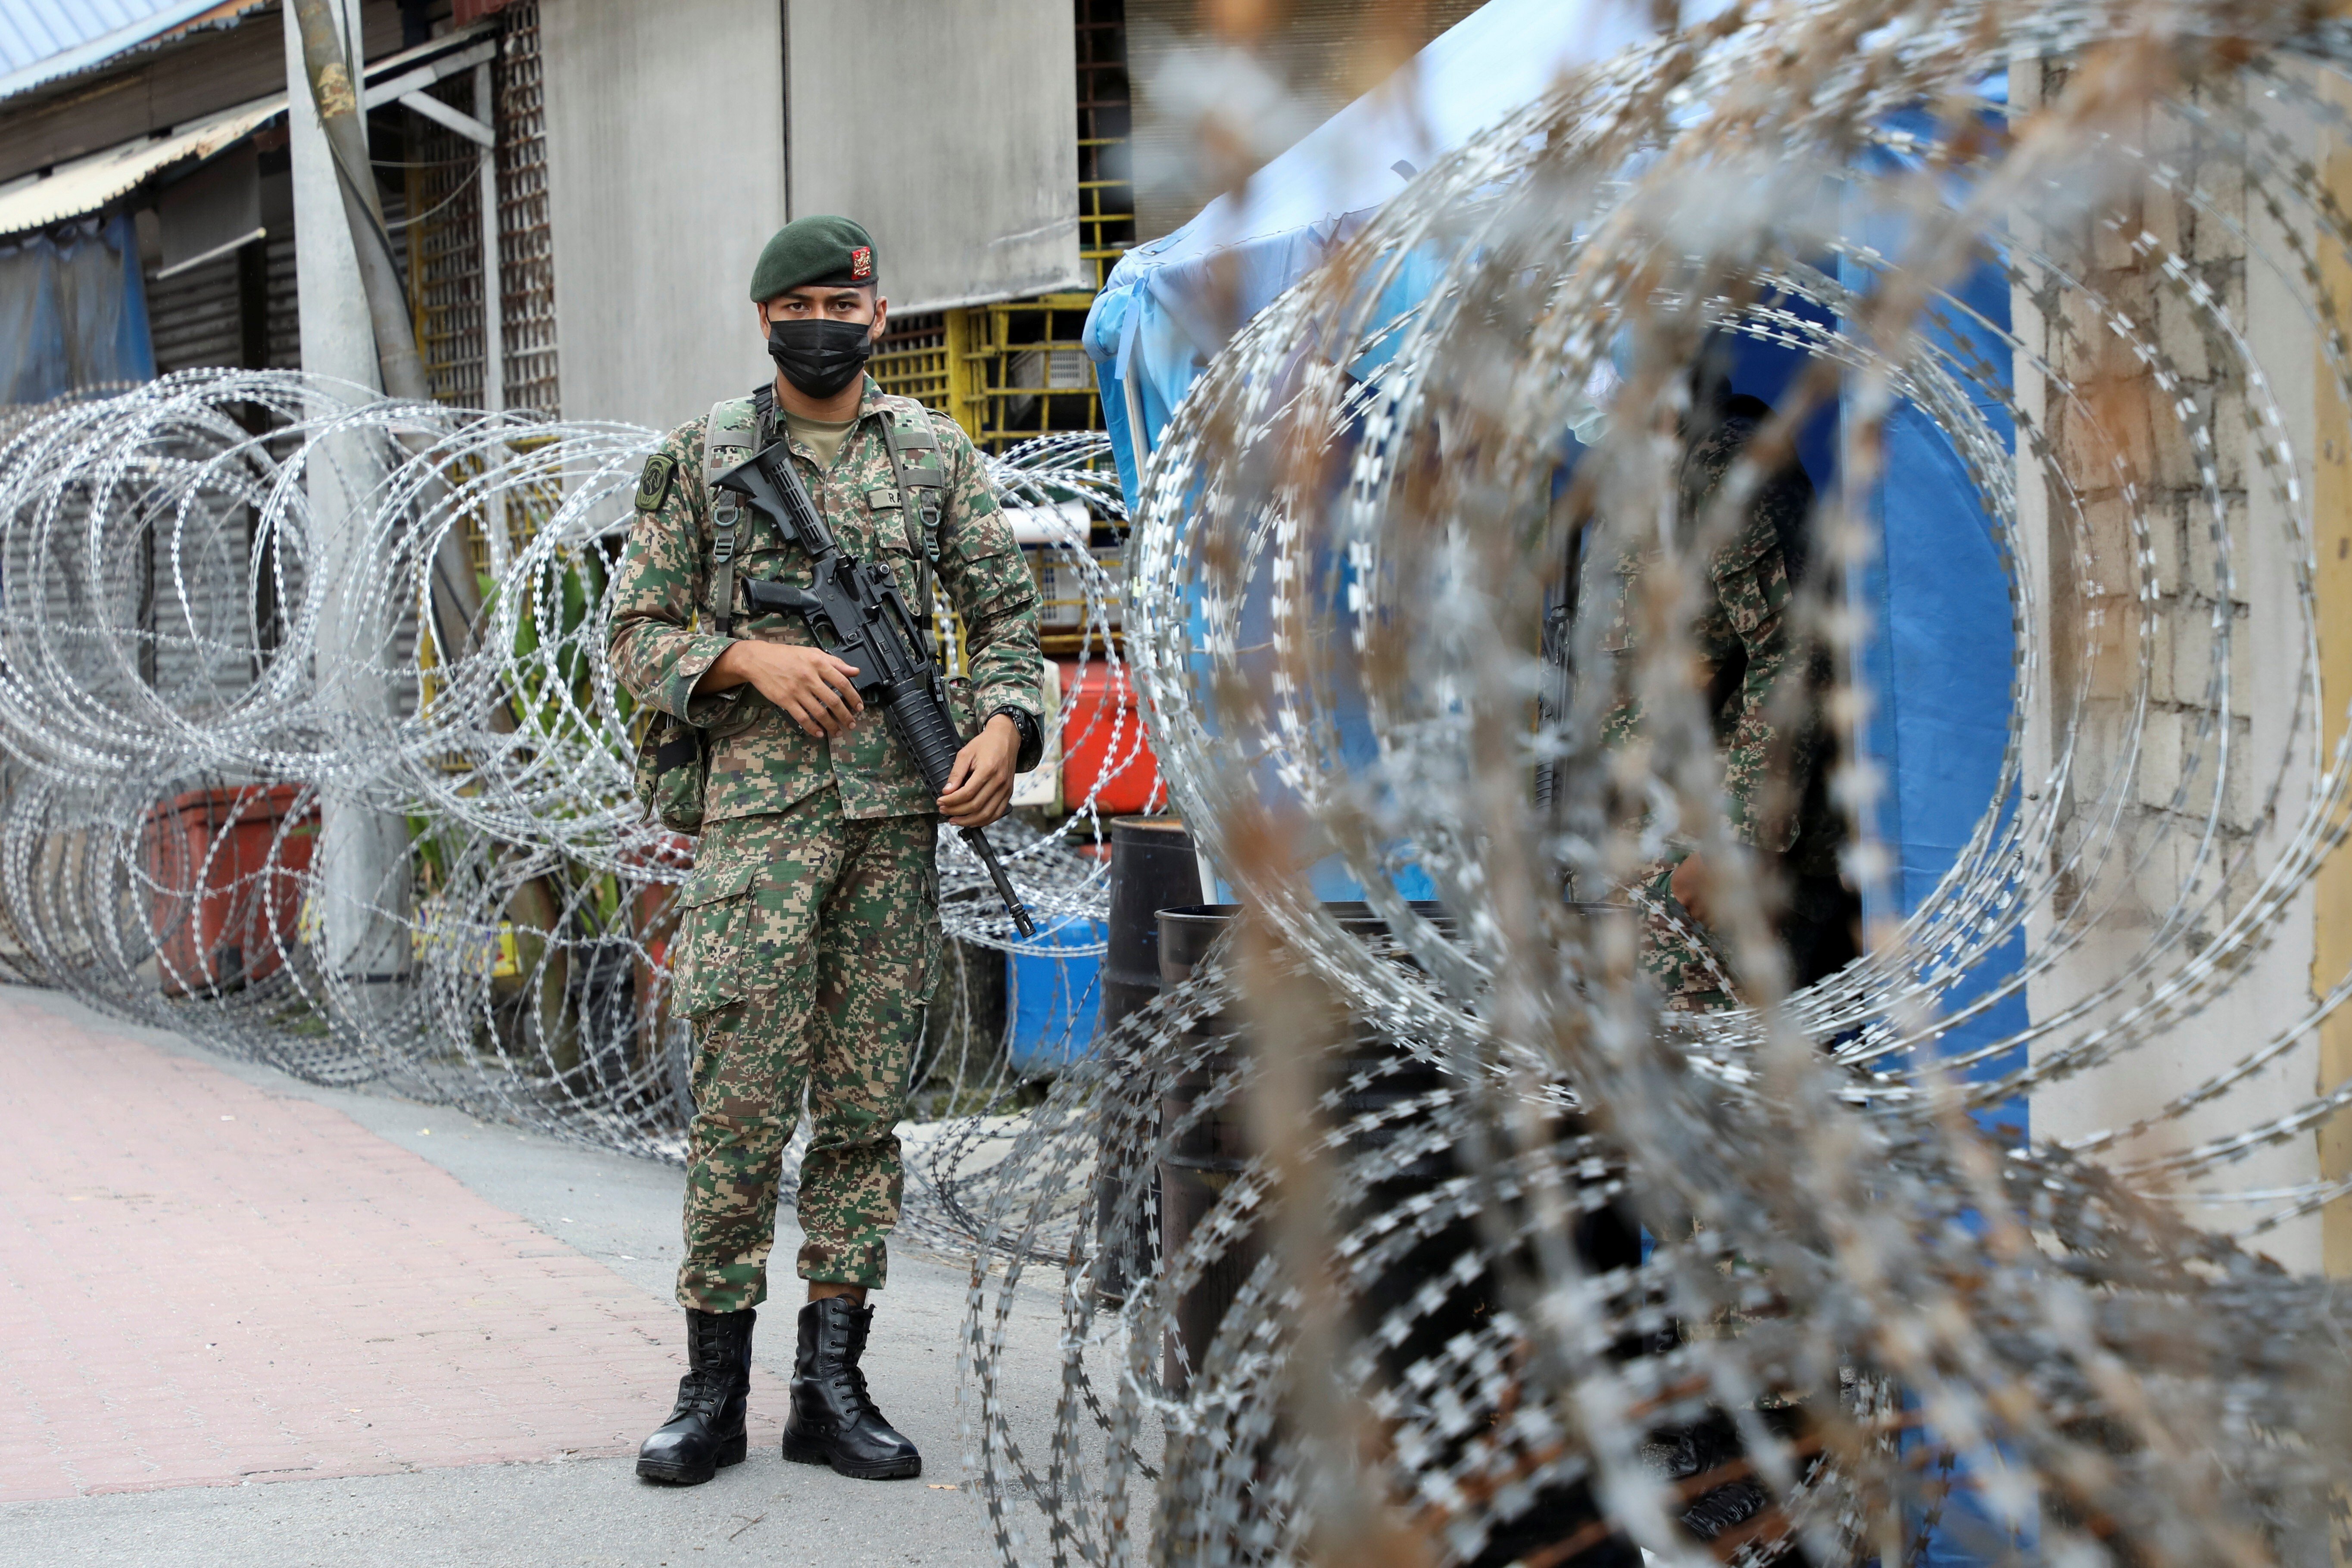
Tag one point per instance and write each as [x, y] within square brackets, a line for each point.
[935, 939]
[714, 949]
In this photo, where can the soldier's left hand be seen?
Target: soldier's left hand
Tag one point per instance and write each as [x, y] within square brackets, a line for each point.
[1691, 885]
[979, 785]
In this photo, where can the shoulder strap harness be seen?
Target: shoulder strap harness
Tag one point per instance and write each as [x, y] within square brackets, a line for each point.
[922, 485]
[727, 440]
[732, 436]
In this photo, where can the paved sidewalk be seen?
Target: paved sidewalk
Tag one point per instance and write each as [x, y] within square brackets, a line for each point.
[437, 1339]
[208, 1282]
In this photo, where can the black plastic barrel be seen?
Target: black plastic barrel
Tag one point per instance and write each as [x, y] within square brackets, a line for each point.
[1373, 1074]
[1152, 866]
[1199, 1164]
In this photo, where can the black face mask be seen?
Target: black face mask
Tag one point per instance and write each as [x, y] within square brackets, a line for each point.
[820, 357]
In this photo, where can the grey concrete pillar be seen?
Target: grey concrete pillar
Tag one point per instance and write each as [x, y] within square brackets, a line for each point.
[337, 340]
[362, 890]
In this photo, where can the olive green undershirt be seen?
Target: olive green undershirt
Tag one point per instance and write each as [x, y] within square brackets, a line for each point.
[820, 435]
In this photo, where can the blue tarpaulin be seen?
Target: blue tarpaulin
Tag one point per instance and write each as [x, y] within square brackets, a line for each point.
[1942, 657]
[73, 310]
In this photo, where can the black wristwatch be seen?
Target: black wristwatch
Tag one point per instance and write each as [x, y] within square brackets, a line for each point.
[1023, 720]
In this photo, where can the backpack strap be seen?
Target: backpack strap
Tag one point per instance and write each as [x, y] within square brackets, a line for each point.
[727, 440]
[922, 475]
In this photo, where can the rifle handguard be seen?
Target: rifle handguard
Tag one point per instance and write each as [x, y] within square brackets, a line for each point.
[919, 718]
[918, 712]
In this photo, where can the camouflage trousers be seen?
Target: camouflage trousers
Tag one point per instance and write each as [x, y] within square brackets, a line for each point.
[807, 945]
[1675, 951]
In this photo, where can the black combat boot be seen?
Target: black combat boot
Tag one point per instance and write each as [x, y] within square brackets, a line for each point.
[706, 1428]
[834, 1421]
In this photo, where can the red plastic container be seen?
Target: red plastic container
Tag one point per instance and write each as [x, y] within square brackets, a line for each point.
[1103, 730]
[226, 869]
[655, 918]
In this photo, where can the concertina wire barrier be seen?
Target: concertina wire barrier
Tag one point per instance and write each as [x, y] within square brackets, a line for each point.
[1867, 1317]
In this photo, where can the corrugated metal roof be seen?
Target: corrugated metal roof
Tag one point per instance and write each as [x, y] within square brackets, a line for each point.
[41, 40]
[88, 184]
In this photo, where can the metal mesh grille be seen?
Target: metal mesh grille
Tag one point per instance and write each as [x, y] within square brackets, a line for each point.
[444, 249]
[1106, 180]
[526, 255]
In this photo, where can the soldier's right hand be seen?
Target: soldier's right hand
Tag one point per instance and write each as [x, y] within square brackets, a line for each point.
[808, 683]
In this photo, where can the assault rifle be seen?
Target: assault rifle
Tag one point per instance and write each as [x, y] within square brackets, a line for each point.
[854, 610]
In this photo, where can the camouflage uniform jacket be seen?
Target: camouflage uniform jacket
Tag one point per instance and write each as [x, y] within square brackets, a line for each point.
[1740, 634]
[760, 761]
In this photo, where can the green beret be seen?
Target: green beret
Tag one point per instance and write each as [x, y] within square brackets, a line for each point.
[824, 250]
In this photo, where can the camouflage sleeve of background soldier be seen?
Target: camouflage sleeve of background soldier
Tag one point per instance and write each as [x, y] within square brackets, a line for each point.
[1751, 580]
[656, 650]
[989, 585]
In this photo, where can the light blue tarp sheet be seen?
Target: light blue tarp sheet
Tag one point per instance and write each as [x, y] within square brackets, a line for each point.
[1943, 653]
[1153, 323]
[73, 310]
[1153, 327]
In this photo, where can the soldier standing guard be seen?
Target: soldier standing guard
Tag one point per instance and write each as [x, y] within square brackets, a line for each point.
[810, 934]
[1744, 645]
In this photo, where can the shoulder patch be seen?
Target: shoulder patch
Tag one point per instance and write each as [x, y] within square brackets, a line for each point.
[653, 485]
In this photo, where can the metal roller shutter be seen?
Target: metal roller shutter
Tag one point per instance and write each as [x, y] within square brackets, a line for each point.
[196, 317]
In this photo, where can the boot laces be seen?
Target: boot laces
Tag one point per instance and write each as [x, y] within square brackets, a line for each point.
[848, 1373]
[852, 1378]
[710, 1378]
[703, 1391]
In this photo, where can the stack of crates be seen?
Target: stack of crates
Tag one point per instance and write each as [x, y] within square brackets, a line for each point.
[1007, 372]
[1061, 591]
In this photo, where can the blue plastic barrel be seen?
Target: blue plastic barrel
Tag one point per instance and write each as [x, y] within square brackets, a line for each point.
[1056, 999]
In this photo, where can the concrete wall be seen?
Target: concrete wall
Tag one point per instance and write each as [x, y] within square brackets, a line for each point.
[2332, 587]
[2121, 412]
[950, 131]
[666, 174]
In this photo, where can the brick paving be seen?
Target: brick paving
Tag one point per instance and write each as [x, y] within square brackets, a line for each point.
[204, 1283]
